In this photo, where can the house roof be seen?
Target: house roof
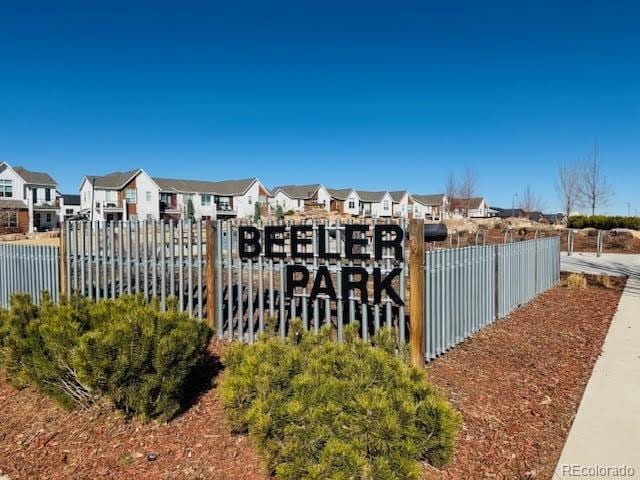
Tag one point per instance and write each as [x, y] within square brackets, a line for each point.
[397, 196]
[371, 197]
[20, 204]
[226, 187]
[429, 200]
[114, 180]
[70, 199]
[340, 193]
[38, 178]
[474, 202]
[303, 192]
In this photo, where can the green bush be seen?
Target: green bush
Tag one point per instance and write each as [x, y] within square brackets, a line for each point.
[129, 351]
[603, 222]
[290, 212]
[319, 409]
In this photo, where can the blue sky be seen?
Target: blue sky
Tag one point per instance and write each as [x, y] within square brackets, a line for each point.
[378, 95]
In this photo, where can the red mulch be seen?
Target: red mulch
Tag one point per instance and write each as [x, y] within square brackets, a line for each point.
[518, 383]
[38, 439]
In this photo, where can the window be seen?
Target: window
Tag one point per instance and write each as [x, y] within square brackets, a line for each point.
[205, 200]
[352, 203]
[47, 194]
[385, 205]
[8, 219]
[249, 199]
[147, 196]
[299, 203]
[131, 195]
[68, 211]
[6, 188]
[48, 218]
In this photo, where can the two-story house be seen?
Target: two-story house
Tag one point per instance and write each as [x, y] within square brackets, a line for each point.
[430, 207]
[375, 204]
[400, 203]
[344, 200]
[27, 200]
[136, 195]
[116, 196]
[299, 198]
[211, 200]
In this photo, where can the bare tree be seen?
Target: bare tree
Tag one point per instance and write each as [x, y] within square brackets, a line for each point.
[467, 188]
[451, 190]
[568, 186]
[595, 190]
[529, 201]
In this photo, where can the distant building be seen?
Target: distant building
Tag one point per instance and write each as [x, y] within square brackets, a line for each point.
[429, 207]
[345, 200]
[27, 200]
[300, 198]
[135, 195]
[476, 207]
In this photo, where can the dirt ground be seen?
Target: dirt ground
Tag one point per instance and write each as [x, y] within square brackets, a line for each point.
[517, 384]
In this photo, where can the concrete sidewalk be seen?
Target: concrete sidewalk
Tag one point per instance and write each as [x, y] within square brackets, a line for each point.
[604, 441]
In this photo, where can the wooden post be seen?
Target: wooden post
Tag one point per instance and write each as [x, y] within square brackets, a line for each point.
[63, 261]
[416, 305]
[210, 253]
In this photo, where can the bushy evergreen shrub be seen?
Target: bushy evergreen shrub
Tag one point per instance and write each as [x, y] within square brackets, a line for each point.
[319, 409]
[129, 351]
[604, 222]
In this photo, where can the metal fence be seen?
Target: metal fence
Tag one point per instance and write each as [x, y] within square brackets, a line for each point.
[152, 258]
[350, 272]
[469, 288]
[28, 269]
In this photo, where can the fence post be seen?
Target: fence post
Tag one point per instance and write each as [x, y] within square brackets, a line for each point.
[63, 261]
[210, 234]
[417, 297]
[496, 281]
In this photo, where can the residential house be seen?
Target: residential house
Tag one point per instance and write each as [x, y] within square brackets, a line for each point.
[300, 197]
[400, 203]
[136, 195]
[471, 207]
[345, 200]
[375, 204]
[27, 200]
[117, 196]
[68, 206]
[430, 207]
[224, 199]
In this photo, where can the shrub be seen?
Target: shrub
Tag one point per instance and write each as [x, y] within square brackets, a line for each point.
[605, 281]
[604, 222]
[316, 408]
[279, 212]
[129, 351]
[289, 212]
[577, 280]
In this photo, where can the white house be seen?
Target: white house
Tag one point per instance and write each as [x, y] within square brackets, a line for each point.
[400, 203]
[131, 195]
[27, 200]
[136, 195]
[471, 208]
[429, 207]
[375, 204]
[300, 197]
[345, 200]
[225, 199]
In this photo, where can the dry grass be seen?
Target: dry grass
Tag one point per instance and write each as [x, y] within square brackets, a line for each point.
[576, 280]
[605, 281]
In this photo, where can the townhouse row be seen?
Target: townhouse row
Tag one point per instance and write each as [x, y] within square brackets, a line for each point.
[30, 201]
